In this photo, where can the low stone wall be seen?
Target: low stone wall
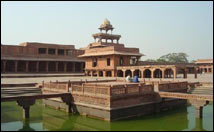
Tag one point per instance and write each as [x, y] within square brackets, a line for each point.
[113, 100]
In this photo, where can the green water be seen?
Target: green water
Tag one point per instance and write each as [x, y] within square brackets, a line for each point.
[47, 119]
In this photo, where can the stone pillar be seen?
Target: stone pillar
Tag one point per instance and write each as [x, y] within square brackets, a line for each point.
[16, 66]
[132, 73]
[198, 104]
[25, 104]
[27, 66]
[185, 73]
[199, 112]
[47, 63]
[152, 73]
[124, 73]
[37, 66]
[92, 73]
[4, 66]
[57, 66]
[175, 73]
[98, 75]
[73, 67]
[104, 73]
[142, 73]
[65, 66]
[162, 73]
[195, 71]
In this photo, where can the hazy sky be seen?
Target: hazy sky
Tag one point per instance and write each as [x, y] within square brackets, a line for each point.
[157, 28]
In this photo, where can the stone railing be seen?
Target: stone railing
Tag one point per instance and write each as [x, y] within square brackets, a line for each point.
[173, 86]
[55, 87]
[129, 89]
[90, 89]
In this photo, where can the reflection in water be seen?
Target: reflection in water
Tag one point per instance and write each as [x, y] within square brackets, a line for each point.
[26, 126]
[50, 119]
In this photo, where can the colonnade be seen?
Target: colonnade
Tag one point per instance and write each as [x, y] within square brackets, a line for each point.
[16, 66]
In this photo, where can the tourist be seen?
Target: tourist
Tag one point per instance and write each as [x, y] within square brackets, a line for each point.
[128, 79]
[135, 79]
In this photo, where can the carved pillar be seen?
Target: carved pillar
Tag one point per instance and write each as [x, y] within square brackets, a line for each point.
[142, 70]
[132, 73]
[104, 73]
[198, 104]
[25, 104]
[174, 73]
[152, 73]
[163, 73]
[124, 73]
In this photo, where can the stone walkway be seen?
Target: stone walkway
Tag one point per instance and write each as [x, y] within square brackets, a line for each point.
[201, 78]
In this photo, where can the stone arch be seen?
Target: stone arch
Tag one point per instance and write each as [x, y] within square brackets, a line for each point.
[101, 73]
[128, 72]
[168, 73]
[120, 73]
[147, 73]
[157, 73]
[137, 72]
[108, 73]
[94, 73]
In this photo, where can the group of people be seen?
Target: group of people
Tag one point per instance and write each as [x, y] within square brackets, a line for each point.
[129, 79]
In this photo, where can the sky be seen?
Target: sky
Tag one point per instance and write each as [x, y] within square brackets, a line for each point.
[156, 28]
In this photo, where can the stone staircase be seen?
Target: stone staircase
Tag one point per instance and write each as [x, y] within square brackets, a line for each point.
[206, 90]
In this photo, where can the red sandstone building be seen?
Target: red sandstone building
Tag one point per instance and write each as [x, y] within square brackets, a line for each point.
[39, 57]
[205, 65]
[105, 57]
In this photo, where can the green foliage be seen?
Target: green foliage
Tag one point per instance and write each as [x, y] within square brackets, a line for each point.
[172, 57]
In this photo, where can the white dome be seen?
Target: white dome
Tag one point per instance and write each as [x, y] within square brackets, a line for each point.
[106, 22]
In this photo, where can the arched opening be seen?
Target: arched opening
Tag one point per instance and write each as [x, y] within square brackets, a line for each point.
[168, 73]
[88, 73]
[205, 69]
[120, 73]
[101, 73]
[147, 73]
[10, 66]
[108, 73]
[137, 73]
[94, 73]
[157, 73]
[210, 69]
[128, 72]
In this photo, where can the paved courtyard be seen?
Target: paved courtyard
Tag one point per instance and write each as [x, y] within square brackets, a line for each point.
[201, 78]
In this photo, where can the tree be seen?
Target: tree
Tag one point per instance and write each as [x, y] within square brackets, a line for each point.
[174, 58]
